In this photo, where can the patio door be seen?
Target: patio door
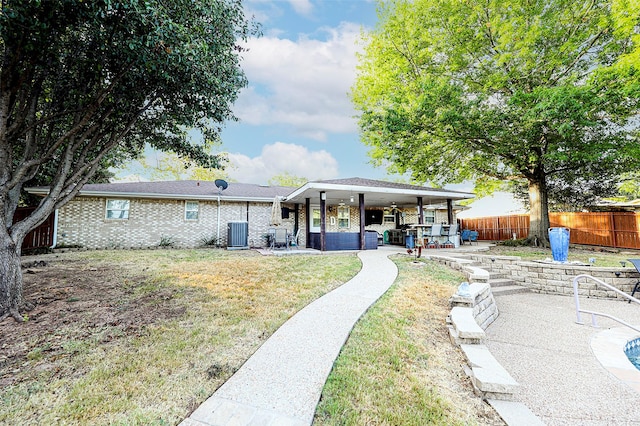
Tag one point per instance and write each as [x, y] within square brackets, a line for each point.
[314, 223]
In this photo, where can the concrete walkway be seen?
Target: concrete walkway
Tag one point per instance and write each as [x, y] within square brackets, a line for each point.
[564, 376]
[282, 381]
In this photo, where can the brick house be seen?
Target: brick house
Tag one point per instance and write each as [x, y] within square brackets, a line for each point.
[187, 213]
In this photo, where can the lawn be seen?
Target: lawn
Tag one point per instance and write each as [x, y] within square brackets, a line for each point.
[602, 256]
[144, 337]
[398, 366]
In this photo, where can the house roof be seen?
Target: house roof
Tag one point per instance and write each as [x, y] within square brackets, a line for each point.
[376, 192]
[188, 189]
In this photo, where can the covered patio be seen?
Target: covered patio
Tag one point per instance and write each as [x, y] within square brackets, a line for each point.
[349, 214]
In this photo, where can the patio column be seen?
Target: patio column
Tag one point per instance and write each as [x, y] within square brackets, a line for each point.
[307, 230]
[449, 211]
[420, 211]
[323, 221]
[363, 244]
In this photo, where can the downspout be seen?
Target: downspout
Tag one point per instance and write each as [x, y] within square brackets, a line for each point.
[218, 231]
[55, 229]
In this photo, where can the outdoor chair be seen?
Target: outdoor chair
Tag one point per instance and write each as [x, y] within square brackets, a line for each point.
[293, 239]
[465, 235]
[636, 263]
[436, 230]
[473, 237]
[451, 232]
[280, 238]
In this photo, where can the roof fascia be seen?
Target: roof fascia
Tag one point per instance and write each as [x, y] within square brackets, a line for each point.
[379, 190]
[154, 196]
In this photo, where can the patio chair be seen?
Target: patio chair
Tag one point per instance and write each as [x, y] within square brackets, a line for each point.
[473, 237]
[280, 238]
[436, 230]
[293, 239]
[464, 236]
[636, 263]
[451, 232]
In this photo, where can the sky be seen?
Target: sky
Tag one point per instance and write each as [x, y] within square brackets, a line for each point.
[295, 115]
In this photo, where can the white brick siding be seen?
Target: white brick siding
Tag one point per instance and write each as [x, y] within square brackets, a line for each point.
[82, 222]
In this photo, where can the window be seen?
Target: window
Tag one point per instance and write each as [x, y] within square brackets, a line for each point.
[429, 217]
[191, 210]
[315, 219]
[118, 209]
[343, 217]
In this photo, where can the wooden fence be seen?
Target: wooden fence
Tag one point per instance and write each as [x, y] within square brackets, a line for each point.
[609, 229]
[40, 237]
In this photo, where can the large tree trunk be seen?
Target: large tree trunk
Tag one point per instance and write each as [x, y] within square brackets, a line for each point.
[538, 212]
[10, 278]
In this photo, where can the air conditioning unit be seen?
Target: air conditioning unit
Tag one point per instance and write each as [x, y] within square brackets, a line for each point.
[238, 235]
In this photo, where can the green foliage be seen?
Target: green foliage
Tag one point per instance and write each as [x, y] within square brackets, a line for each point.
[209, 240]
[86, 84]
[505, 90]
[286, 179]
[166, 241]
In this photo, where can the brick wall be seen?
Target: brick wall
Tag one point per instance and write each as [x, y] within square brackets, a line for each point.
[82, 222]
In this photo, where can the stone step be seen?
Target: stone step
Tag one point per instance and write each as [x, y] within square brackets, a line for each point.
[515, 413]
[489, 378]
[500, 282]
[509, 289]
[465, 324]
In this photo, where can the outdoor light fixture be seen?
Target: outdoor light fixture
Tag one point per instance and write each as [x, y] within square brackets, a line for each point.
[351, 199]
[623, 263]
[617, 274]
[323, 196]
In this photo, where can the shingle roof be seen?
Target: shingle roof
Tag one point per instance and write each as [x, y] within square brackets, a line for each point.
[190, 188]
[356, 181]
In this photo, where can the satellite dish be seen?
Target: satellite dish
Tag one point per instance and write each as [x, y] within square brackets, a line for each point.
[221, 184]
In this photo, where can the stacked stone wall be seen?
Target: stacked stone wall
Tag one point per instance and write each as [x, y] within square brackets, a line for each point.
[557, 278]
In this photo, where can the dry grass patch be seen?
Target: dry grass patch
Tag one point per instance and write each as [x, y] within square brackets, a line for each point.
[604, 256]
[143, 337]
[398, 366]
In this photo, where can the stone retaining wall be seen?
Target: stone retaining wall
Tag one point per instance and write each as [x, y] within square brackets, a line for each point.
[485, 310]
[557, 278]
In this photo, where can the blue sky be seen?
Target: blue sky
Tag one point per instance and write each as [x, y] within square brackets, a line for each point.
[295, 116]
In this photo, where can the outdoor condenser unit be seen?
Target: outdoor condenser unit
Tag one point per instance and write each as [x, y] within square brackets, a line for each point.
[237, 235]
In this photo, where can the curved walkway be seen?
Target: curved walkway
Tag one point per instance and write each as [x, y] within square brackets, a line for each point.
[282, 381]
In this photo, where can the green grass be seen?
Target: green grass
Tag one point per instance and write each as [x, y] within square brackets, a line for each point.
[602, 258]
[398, 366]
[231, 302]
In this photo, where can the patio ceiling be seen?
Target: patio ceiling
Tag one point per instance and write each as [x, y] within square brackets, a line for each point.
[376, 193]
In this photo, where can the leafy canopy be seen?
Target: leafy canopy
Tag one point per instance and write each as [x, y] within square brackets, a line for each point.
[453, 90]
[85, 84]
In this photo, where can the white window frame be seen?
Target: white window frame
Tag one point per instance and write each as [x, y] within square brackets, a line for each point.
[188, 210]
[429, 217]
[122, 209]
[312, 227]
[341, 217]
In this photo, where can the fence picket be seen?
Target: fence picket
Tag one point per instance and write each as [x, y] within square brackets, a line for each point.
[609, 229]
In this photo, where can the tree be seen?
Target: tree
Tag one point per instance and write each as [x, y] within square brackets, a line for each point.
[287, 179]
[88, 83]
[510, 90]
[170, 166]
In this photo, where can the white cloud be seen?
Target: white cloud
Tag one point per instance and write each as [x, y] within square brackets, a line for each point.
[302, 7]
[279, 158]
[302, 84]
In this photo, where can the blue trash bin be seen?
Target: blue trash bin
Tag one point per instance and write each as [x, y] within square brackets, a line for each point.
[559, 240]
[409, 241]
